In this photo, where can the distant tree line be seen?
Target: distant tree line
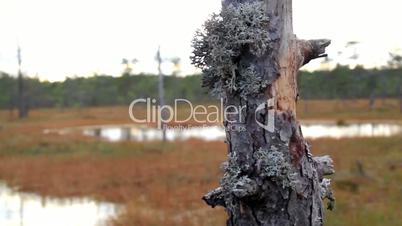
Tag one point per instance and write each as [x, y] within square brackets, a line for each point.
[99, 90]
[102, 90]
[345, 83]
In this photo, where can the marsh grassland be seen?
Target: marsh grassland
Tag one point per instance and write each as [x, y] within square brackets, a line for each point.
[162, 184]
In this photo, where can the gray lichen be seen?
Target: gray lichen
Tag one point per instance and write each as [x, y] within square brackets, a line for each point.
[251, 84]
[226, 36]
[245, 187]
[326, 192]
[231, 172]
[272, 164]
[228, 182]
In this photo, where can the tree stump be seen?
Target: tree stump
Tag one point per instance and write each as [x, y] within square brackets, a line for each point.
[250, 58]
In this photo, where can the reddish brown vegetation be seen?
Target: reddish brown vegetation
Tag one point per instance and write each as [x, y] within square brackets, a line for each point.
[149, 180]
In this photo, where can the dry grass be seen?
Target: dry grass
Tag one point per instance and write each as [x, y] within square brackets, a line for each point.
[345, 110]
[373, 195]
[349, 110]
[164, 179]
[156, 182]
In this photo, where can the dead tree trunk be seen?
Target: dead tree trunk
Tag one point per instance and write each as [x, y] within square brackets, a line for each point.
[161, 90]
[22, 104]
[250, 56]
[372, 101]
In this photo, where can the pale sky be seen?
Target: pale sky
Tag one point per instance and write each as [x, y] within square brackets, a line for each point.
[62, 38]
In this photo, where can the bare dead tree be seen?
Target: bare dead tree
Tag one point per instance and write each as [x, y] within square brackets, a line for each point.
[400, 96]
[395, 62]
[22, 103]
[128, 65]
[161, 89]
[250, 58]
[176, 65]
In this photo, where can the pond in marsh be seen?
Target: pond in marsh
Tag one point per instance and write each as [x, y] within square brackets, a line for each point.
[29, 209]
[115, 133]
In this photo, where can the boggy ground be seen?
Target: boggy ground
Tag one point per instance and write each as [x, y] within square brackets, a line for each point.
[161, 184]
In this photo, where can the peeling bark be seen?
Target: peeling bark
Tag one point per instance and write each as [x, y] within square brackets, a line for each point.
[271, 177]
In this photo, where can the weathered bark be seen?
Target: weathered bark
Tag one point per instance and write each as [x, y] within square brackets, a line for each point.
[271, 177]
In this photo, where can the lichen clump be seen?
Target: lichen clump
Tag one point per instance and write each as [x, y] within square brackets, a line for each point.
[217, 49]
[272, 164]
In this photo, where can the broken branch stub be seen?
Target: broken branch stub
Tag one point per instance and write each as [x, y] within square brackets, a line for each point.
[313, 49]
[325, 165]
